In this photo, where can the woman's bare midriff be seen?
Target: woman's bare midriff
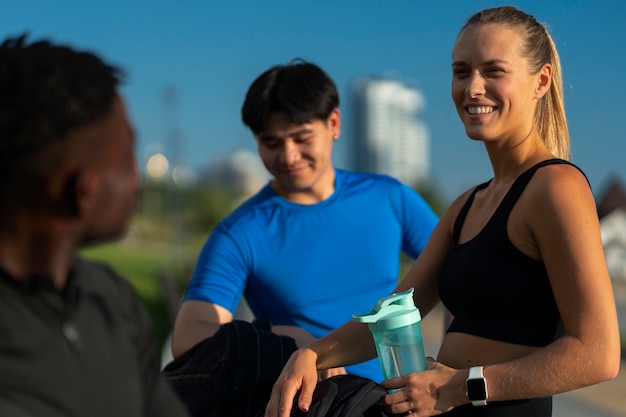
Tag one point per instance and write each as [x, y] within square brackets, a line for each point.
[462, 350]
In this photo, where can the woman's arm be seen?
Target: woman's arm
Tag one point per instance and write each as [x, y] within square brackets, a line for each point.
[562, 220]
[561, 229]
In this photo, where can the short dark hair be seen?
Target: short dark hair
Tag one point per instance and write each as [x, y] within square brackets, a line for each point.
[300, 89]
[47, 92]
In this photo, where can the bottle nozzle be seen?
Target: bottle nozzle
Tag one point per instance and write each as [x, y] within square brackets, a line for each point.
[390, 306]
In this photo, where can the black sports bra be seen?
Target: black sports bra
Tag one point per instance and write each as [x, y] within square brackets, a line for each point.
[492, 289]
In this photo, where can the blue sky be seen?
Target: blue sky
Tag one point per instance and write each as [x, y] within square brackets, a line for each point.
[210, 51]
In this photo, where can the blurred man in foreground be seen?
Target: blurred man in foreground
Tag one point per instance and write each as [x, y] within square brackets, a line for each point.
[75, 339]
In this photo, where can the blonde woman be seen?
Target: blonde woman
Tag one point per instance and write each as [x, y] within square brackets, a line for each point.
[518, 260]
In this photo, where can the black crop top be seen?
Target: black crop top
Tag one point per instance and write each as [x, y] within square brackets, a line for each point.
[491, 288]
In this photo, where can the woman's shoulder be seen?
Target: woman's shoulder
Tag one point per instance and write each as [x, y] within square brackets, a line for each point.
[557, 191]
[555, 180]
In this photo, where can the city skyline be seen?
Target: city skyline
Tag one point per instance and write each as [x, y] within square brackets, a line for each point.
[209, 52]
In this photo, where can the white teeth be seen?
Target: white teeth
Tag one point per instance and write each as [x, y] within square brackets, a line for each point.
[479, 109]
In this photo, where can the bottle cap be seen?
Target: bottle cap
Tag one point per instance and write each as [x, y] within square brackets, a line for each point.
[393, 311]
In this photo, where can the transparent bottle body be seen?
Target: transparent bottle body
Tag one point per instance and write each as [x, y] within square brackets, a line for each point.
[401, 350]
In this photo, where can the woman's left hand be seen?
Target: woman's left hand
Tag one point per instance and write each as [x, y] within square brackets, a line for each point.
[434, 391]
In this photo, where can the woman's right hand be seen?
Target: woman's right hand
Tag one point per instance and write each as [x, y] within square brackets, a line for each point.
[298, 374]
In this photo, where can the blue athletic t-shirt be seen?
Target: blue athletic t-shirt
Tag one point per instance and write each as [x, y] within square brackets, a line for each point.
[314, 266]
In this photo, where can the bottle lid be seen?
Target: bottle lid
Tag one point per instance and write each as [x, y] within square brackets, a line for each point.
[395, 310]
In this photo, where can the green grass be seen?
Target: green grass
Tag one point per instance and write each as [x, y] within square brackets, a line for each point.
[133, 262]
[142, 265]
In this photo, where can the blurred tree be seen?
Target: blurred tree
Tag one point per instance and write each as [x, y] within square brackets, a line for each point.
[432, 196]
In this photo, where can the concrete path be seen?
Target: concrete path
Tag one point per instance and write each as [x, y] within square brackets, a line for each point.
[567, 406]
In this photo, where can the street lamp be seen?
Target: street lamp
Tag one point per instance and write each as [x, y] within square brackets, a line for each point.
[157, 166]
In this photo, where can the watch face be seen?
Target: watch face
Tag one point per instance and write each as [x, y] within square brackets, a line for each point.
[476, 389]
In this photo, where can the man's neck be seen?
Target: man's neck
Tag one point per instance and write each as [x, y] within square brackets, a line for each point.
[321, 190]
[25, 252]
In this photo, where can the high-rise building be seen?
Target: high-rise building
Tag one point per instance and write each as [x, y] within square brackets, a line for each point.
[390, 137]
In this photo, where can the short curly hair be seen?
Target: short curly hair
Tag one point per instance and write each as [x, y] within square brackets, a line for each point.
[47, 92]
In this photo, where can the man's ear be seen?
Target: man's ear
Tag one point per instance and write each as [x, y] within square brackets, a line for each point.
[79, 191]
[62, 195]
[334, 123]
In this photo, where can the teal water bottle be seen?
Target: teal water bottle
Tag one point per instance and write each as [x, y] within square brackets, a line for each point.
[395, 326]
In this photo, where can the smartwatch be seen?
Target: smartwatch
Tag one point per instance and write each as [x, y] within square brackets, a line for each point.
[476, 386]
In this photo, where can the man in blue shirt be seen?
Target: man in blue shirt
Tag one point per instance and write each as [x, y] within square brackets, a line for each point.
[315, 245]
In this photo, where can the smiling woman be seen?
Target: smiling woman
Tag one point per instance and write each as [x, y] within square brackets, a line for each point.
[508, 68]
[529, 233]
